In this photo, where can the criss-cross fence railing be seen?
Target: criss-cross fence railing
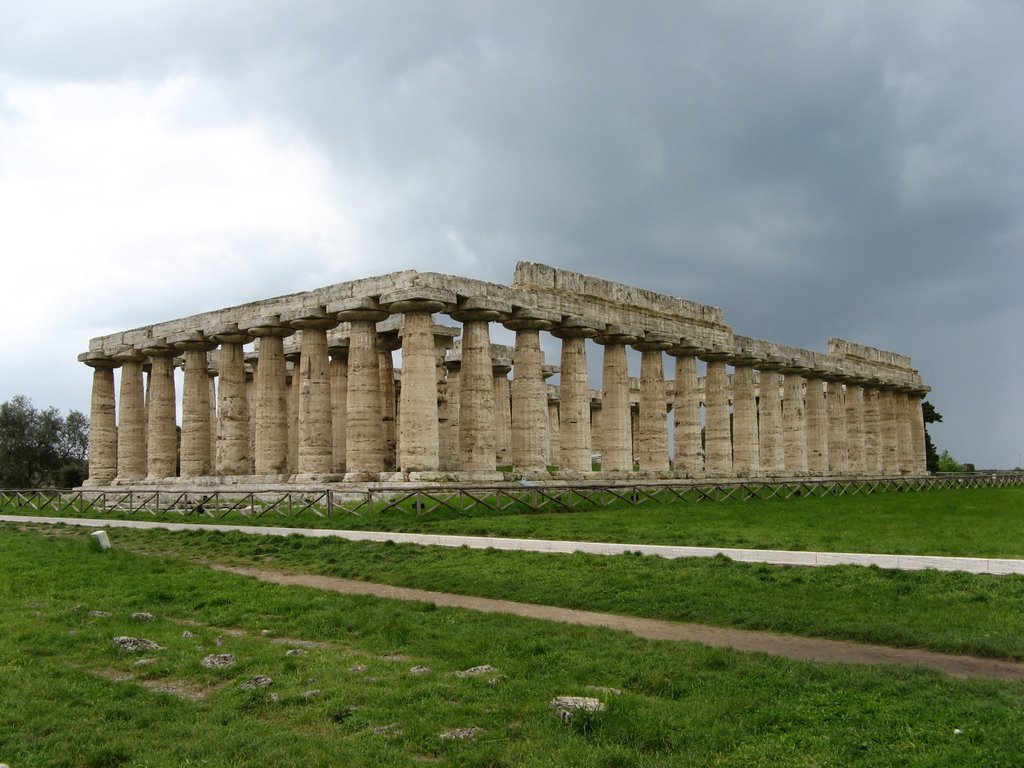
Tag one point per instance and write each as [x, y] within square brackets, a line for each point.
[511, 498]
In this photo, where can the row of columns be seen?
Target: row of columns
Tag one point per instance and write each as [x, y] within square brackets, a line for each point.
[786, 419]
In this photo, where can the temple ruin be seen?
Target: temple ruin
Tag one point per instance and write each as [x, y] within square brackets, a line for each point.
[303, 389]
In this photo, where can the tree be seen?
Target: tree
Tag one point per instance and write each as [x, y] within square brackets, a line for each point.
[930, 417]
[40, 448]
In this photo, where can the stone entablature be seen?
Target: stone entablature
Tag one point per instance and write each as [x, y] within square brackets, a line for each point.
[304, 387]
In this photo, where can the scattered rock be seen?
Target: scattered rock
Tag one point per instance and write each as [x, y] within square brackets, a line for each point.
[259, 681]
[311, 694]
[274, 697]
[100, 614]
[417, 670]
[391, 729]
[145, 662]
[295, 652]
[476, 671]
[957, 732]
[218, 641]
[357, 669]
[219, 660]
[187, 633]
[566, 707]
[143, 616]
[460, 734]
[604, 689]
[100, 539]
[264, 632]
[493, 680]
[135, 644]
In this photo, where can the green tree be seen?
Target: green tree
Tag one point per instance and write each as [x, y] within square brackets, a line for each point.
[930, 417]
[947, 463]
[41, 448]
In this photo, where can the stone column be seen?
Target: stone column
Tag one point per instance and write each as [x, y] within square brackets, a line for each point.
[817, 426]
[904, 437]
[338, 350]
[251, 361]
[855, 425]
[529, 392]
[476, 384]
[387, 343]
[873, 453]
[717, 437]
[889, 431]
[293, 382]
[919, 462]
[689, 459]
[794, 431]
[195, 406]
[271, 421]
[364, 438]
[500, 369]
[232, 451]
[450, 458]
[419, 440]
[770, 441]
[312, 383]
[554, 430]
[653, 446]
[614, 440]
[838, 443]
[102, 420]
[745, 458]
[161, 413]
[131, 427]
[574, 396]
[447, 439]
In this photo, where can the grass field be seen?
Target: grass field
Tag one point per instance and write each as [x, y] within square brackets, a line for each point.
[70, 697]
[982, 522]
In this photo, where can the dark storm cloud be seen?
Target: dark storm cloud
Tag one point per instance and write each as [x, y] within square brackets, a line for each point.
[814, 168]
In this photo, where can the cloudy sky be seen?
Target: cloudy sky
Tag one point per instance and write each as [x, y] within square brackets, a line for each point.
[815, 169]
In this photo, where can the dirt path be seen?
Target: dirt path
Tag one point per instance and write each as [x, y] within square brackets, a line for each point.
[790, 646]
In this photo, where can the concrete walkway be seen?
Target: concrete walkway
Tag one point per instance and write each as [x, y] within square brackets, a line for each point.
[771, 556]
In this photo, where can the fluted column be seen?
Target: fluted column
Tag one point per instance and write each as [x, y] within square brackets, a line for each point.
[873, 453]
[161, 413]
[419, 438]
[794, 430]
[574, 396]
[102, 420]
[231, 456]
[387, 343]
[364, 438]
[339, 396]
[312, 383]
[769, 419]
[745, 457]
[554, 430]
[195, 406]
[450, 458]
[614, 439]
[271, 419]
[131, 426]
[500, 370]
[838, 442]
[653, 447]
[529, 392]
[689, 459]
[717, 437]
[854, 403]
[904, 431]
[817, 425]
[889, 431]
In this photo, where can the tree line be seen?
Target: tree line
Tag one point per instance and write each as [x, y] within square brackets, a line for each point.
[41, 448]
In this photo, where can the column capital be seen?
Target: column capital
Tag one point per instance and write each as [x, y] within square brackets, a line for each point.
[359, 309]
[485, 308]
[418, 299]
[686, 347]
[310, 319]
[229, 333]
[745, 358]
[338, 347]
[128, 355]
[192, 341]
[770, 363]
[717, 353]
[98, 360]
[613, 333]
[159, 348]
[270, 325]
[653, 341]
[531, 319]
[576, 328]
[794, 366]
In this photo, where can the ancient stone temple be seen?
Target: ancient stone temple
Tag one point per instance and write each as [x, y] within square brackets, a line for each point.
[304, 388]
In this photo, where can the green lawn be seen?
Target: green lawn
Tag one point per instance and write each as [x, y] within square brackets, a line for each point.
[982, 522]
[70, 697]
[956, 612]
